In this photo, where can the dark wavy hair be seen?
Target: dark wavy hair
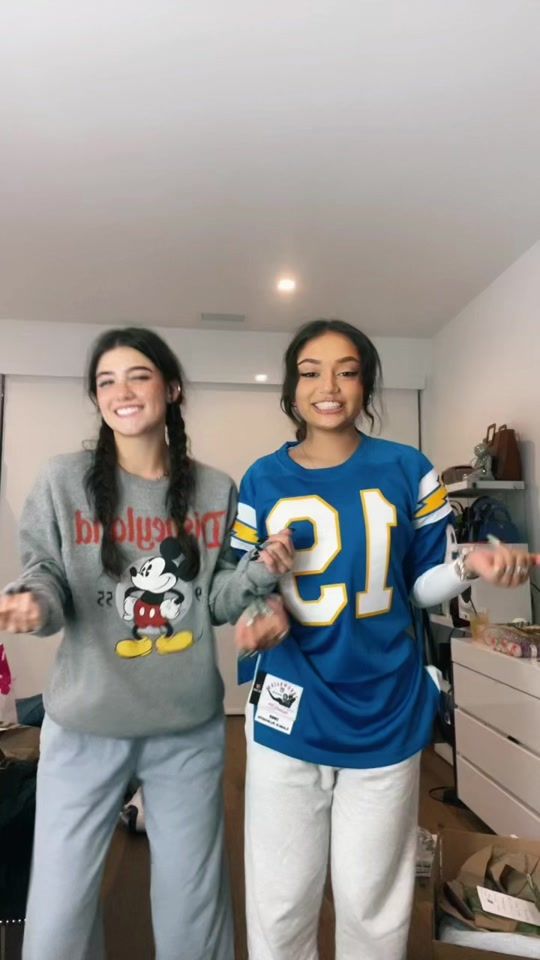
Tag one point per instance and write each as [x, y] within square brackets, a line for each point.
[102, 477]
[370, 364]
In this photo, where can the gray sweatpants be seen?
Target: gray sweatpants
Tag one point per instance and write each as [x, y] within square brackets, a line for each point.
[81, 782]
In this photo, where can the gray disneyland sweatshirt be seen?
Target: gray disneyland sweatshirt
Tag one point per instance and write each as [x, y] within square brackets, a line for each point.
[137, 656]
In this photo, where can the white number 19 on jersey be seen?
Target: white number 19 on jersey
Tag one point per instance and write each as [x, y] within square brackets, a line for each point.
[379, 517]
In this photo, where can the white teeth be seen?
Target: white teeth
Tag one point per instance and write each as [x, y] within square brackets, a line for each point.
[127, 411]
[328, 405]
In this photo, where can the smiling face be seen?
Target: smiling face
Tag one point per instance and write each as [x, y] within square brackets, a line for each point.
[131, 393]
[329, 392]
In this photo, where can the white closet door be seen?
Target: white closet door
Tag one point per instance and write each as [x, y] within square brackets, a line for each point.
[229, 428]
[42, 416]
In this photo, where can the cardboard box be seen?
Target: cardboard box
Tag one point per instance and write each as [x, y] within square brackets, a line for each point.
[20, 742]
[453, 848]
[11, 938]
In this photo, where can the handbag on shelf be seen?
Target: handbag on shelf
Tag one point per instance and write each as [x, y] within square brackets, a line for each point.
[503, 448]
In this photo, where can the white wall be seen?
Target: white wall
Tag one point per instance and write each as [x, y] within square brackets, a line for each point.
[486, 368]
[30, 348]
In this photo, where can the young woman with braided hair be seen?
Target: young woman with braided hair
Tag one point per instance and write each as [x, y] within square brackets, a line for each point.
[127, 548]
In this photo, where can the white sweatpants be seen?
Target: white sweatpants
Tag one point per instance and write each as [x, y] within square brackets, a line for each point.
[298, 813]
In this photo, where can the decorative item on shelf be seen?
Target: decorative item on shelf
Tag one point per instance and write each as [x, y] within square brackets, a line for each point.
[482, 463]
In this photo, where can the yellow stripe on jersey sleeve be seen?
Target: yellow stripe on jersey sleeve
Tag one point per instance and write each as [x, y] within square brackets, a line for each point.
[245, 533]
[433, 502]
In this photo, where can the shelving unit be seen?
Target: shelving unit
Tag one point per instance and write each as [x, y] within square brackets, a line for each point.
[475, 488]
[510, 492]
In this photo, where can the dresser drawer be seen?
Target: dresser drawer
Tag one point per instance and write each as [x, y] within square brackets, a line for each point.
[513, 767]
[503, 813]
[518, 672]
[508, 710]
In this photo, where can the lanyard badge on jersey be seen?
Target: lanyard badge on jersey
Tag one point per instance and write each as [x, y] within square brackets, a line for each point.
[276, 701]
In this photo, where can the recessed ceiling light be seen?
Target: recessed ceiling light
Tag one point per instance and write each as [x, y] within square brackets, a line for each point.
[261, 377]
[286, 285]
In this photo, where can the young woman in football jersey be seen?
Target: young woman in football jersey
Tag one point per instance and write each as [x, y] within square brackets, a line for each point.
[341, 709]
[126, 548]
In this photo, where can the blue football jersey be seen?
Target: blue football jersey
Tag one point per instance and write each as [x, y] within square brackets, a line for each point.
[347, 687]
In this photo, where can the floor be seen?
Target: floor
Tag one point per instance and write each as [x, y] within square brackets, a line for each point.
[127, 914]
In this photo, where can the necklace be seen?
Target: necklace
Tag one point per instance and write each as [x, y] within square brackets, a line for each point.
[160, 476]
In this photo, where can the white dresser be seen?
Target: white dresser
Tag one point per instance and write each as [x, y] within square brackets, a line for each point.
[497, 722]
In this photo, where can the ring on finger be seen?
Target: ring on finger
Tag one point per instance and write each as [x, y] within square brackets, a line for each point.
[522, 571]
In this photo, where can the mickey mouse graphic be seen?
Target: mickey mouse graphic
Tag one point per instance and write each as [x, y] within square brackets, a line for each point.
[154, 601]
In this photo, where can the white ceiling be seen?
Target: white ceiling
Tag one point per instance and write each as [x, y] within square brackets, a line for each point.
[160, 158]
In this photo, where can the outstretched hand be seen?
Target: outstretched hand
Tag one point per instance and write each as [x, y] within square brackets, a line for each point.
[20, 613]
[501, 565]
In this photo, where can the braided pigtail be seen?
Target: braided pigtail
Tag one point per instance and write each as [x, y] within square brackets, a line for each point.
[102, 491]
[181, 483]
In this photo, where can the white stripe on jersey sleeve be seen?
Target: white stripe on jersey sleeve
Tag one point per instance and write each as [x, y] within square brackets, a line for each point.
[247, 515]
[244, 534]
[429, 482]
[241, 544]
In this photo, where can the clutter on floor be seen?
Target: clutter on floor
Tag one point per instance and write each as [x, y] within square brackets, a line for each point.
[425, 850]
[487, 896]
